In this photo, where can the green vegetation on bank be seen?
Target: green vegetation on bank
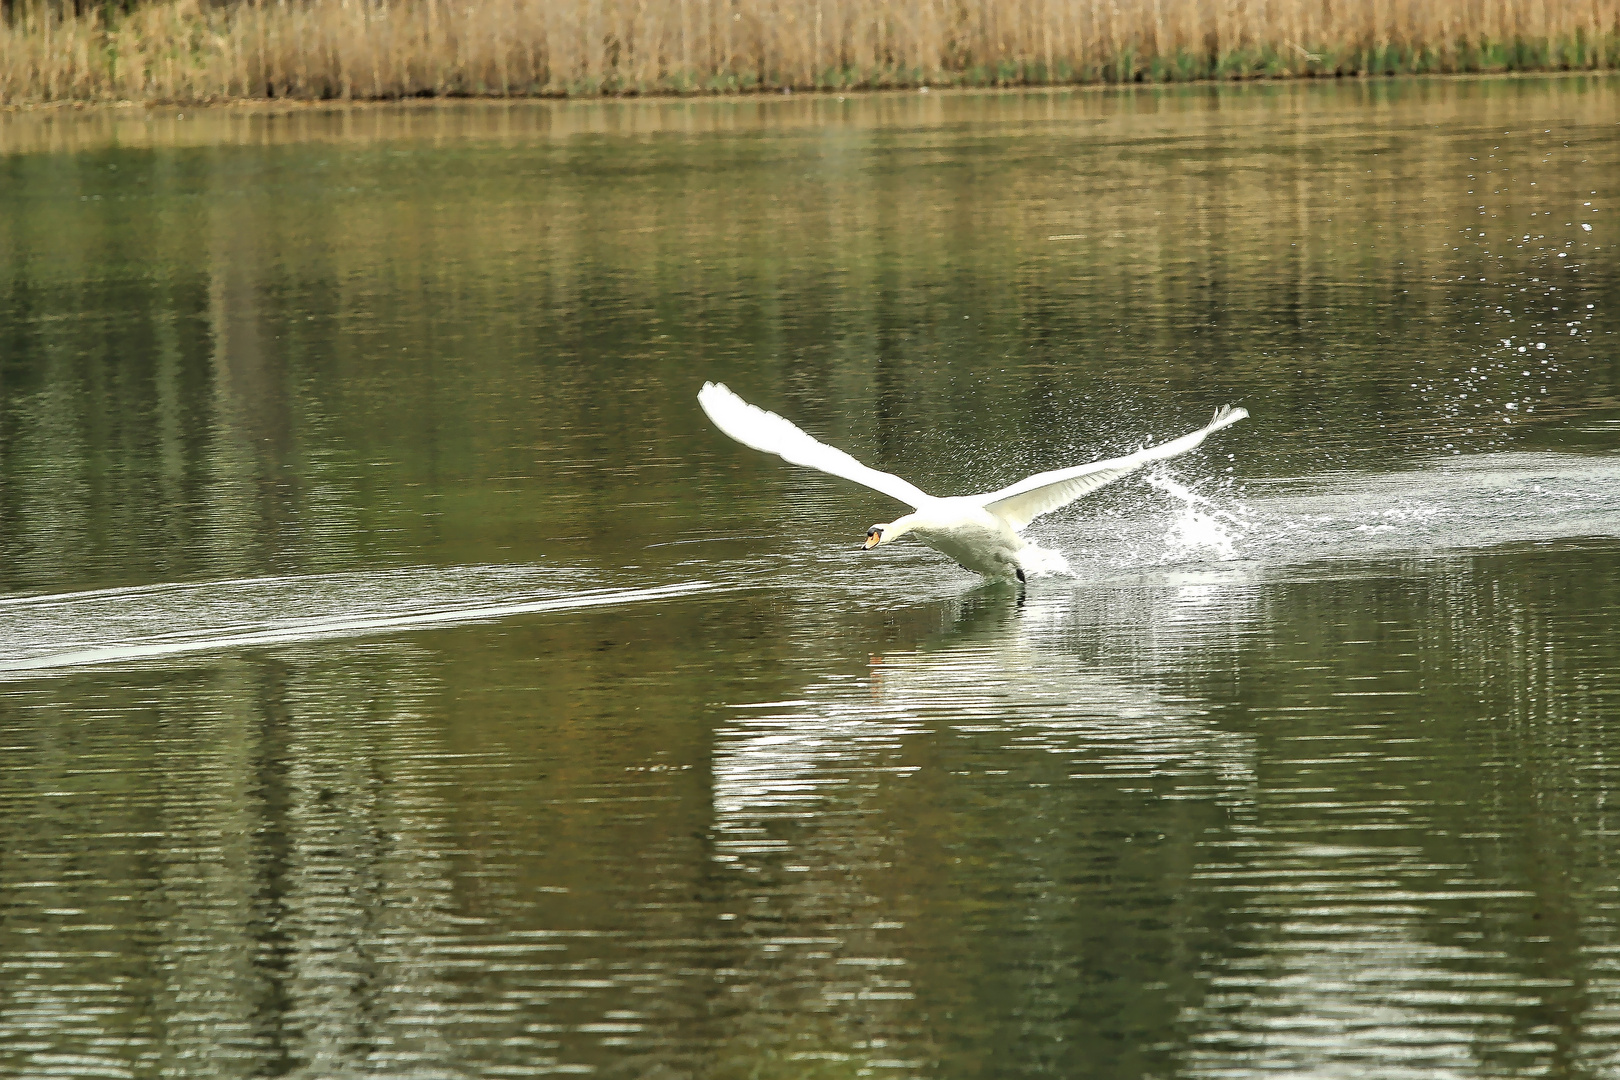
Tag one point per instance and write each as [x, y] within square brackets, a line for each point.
[192, 50]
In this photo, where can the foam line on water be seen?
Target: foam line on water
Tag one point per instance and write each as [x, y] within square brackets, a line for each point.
[50, 599]
[190, 641]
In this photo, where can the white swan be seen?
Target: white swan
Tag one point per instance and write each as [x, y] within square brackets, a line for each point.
[979, 531]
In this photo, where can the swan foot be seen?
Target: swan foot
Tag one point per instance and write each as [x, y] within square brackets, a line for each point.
[1020, 573]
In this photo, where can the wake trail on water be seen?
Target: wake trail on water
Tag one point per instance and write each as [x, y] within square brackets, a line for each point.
[1449, 507]
[1456, 506]
[61, 631]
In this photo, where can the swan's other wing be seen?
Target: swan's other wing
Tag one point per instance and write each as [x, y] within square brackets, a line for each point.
[753, 426]
[1044, 492]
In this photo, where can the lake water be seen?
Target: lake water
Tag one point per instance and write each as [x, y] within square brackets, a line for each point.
[400, 677]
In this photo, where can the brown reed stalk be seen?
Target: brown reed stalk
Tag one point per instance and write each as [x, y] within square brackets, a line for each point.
[191, 50]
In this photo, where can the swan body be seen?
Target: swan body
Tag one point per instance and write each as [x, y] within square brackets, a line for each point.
[980, 532]
[963, 530]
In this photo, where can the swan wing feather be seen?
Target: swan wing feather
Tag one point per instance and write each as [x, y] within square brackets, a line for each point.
[1042, 493]
[765, 431]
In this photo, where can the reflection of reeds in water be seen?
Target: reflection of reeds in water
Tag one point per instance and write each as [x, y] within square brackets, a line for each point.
[184, 50]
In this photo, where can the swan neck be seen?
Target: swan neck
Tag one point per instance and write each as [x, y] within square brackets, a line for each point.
[899, 527]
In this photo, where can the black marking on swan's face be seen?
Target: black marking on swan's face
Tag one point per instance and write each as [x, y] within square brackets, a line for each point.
[874, 536]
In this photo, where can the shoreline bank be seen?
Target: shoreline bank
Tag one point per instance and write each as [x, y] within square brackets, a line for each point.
[189, 52]
[78, 126]
[290, 106]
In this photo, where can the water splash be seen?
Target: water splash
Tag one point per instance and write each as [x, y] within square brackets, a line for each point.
[1200, 528]
[1044, 562]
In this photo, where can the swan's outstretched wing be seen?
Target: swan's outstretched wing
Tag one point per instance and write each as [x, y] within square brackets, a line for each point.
[1044, 492]
[753, 426]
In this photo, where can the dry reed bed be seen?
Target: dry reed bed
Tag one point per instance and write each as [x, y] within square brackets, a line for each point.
[189, 50]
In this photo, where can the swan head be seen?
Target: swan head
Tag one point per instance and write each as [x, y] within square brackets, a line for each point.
[884, 531]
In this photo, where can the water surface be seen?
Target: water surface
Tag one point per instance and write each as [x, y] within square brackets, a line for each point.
[399, 677]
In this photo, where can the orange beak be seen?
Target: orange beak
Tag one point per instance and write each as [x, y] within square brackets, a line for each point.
[873, 540]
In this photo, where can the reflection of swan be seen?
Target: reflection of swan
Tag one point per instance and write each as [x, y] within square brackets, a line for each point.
[998, 675]
[979, 531]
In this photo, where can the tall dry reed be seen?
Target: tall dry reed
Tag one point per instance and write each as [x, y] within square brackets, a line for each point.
[192, 50]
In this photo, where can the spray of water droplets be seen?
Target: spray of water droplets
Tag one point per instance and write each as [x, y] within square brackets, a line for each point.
[1200, 529]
